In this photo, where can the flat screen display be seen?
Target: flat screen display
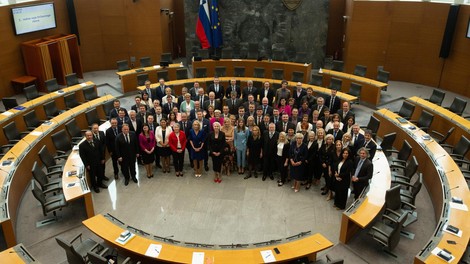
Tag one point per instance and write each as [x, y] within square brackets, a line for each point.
[27, 19]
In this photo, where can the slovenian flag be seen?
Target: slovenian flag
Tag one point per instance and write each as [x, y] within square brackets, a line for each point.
[215, 25]
[203, 25]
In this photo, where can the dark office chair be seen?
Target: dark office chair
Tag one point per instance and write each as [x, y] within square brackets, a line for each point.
[227, 53]
[31, 92]
[373, 125]
[297, 76]
[441, 138]
[328, 260]
[107, 107]
[404, 173]
[278, 74]
[425, 120]
[70, 101]
[258, 72]
[9, 102]
[11, 133]
[402, 155]
[181, 74]
[74, 131]
[141, 78]
[406, 110]
[90, 93]
[220, 71]
[52, 85]
[387, 143]
[409, 191]
[47, 185]
[163, 75]
[123, 65]
[355, 90]
[201, 72]
[437, 97]
[145, 62]
[360, 70]
[49, 161]
[239, 71]
[394, 206]
[71, 79]
[278, 54]
[317, 80]
[92, 117]
[338, 65]
[203, 53]
[457, 106]
[166, 57]
[459, 151]
[335, 84]
[49, 203]
[76, 250]
[98, 257]
[383, 76]
[62, 142]
[300, 57]
[387, 232]
[51, 110]
[31, 120]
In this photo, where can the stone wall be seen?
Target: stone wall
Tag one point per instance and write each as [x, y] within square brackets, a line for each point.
[269, 24]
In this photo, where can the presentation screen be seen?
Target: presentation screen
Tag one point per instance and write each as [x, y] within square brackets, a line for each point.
[33, 18]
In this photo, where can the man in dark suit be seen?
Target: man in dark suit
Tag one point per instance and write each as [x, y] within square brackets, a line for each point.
[185, 126]
[151, 122]
[309, 98]
[135, 125]
[267, 109]
[336, 132]
[127, 150]
[201, 97]
[233, 103]
[298, 94]
[250, 101]
[114, 113]
[250, 89]
[333, 102]
[267, 92]
[168, 107]
[364, 169]
[142, 114]
[181, 97]
[217, 88]
[259, 116]
[369, 144]
[264, 126]
[233, 87]
[160, 90]
[269, 151]
[150, 91]
[345, 113]
[193, 91]
[212, 101]
[241, 114]
[137, 101]
[193, 112]
[284, 125]
[111, 134]
[92, 154]
[276, 118]
[122, 118]
[320, 106]
[357, 139]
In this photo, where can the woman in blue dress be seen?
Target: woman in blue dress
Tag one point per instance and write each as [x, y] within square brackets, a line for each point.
[298, 154]
[240, 139]
[197, 138]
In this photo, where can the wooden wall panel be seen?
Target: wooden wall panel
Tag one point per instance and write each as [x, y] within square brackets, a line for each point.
[10, 51]
[336, 27]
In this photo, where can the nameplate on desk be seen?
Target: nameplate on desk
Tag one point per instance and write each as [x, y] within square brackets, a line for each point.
[268, 256]
[60, 91]
[72, 173]
[426, 137]
[443, 254]
[452, 230]
[75, 147]
[73, 184]
[83, 84]
[411, 127]
[156, 66]
[36, 133]
[198, 258]
[126, 239]
[153, 250]
[7, 162]
[19, 107]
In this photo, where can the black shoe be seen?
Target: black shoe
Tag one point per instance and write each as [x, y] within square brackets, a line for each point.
[103, 186]
[159, 166]
[280, 184]
[247, 177]
[324, 193]
[264, 178]
[105, 178]
[126, 182]
[134, 179]
[256, 175]
[206, 168]
[97, 190]
[308, 186]
[191, 164]
[271, 177]
[116, 176]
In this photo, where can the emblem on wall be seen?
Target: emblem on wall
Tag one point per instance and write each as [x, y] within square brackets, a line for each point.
[292, 4]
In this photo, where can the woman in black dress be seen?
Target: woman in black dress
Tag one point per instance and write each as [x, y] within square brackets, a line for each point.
[216, 150]
[319, 146]
[254, 151]
[325, 155]
[335, 158]
[342, 173]
[297, 155]
[310, 161]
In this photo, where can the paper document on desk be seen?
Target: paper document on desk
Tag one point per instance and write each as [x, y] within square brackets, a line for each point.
[436, 252]
[268, 256]
[35, 133]
[7, 113]
[198, 258]
[153, 250]
[458, 206]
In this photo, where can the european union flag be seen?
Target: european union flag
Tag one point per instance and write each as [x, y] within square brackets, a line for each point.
[215, 24]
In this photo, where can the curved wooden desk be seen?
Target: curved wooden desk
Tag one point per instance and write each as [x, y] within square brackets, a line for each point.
[109, 231]
[14, 178]
[17, 255]
[365, 209]
[202, 81]
[37, 105]
[371, 89]
[443, 180]
[250, 65]
[443, 120]
[129, 77]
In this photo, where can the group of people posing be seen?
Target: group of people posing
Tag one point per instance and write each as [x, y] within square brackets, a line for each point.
[301, 137]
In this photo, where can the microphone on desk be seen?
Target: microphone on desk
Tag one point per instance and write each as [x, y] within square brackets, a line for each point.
[456, 187]
[443, 155]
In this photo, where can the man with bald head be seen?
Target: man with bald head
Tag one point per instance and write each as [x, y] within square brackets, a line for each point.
[269, 151]
[91, 152]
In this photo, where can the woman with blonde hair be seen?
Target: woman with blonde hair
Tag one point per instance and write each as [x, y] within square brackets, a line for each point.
[240, 138]
[254, 151]
[325, 159]
[162, 134]
[282, 157]
[250, 123]
[197, 138]
[216, 142]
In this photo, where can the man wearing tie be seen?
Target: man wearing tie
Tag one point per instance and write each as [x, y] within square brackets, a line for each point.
[267, 92]
[122, 118]
[168, 107]
[111, 134]
[267, 110]
[101, 137]
[92, 154]
[127, 150]
[357, 139]
[320, 107]
[250, 89]
[269, 151]
[233, 87]
[363, 172]
[259, 116]
[345, 113]
[332, 102]
[336, 132]
[369, 144]
[285, 124]
[149, 91]
[275, 118]
[233, 103]
[201, 97]
[212, 101]
[135, 125]
[185, 126]
[160, 90]
[217, 88]
[143, 114]
[299, 93]
[151, 122]
[113, 113]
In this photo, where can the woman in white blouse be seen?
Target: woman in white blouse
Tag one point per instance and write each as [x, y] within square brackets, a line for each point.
[162, 134]
[168, 93]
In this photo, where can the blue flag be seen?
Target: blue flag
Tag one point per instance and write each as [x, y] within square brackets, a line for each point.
[215, 24]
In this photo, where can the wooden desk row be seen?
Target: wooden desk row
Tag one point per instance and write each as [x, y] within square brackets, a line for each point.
[177, 85]
[371, 89]
[443, 120]
[14, 178]
[110, 230]
[17, 255]
[129, 77]
[443, 180]
[365, 209]
[250, 65]
[14, 115]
